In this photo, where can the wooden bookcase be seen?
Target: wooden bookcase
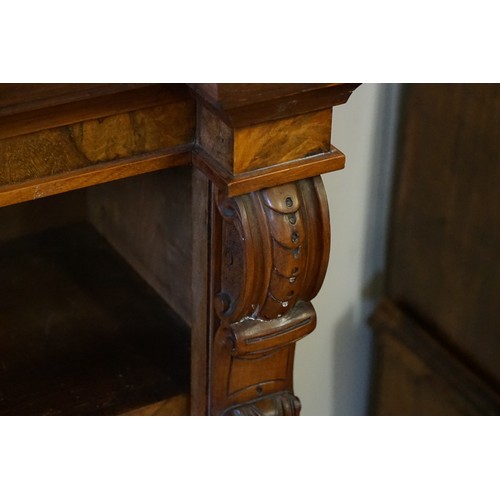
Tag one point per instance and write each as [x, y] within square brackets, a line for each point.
[160, 244]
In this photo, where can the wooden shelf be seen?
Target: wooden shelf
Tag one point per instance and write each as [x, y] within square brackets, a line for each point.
[82, 334]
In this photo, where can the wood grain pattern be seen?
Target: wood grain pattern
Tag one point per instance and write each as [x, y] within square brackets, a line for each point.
[96, 174]
[271, 143]
[291, 171]
[65, 149]
[133, 133]
[243, 271]
[37, 155]
[249, 148]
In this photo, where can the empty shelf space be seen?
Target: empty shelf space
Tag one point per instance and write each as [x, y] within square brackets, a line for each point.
[82, 334]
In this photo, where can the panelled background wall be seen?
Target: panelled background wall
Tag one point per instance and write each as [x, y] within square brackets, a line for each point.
[332, 367]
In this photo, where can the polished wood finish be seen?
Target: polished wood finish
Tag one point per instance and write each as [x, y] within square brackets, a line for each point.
[68, 153]
[237, 247]
[202, 286]
[28, 108]
[267, 177]
[267, 248]
[275, 252]
[59, 138]
[96, 174]
[249, 148]
[243, 104]
[443, 266]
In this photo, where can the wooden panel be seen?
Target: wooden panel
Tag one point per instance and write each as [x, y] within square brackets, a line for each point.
[249, 148]
[148, 220]
[39, 155]
[65, 149]
[137, 132]
[96, 174]
[417, 375]
[234, 95]
[270, 176]
[28, 108]
[202, 219]
[80, 332]
[21, 97]
[244, 104]
[445, 243]
[271, 143]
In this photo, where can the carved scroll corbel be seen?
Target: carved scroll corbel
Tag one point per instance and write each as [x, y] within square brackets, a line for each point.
[274, 258]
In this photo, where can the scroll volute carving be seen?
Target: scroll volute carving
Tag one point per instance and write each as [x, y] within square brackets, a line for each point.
[274, 258]
[276, 246]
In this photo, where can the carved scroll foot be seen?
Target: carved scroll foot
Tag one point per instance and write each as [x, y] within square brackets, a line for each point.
[274, 257]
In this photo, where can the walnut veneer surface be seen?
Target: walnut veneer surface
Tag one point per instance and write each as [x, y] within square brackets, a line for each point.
[160, 244]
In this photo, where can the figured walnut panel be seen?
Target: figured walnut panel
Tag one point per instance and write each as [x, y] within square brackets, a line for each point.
[96, 174]
[73, 147]
[267, 177]
[39, 155]
[270, 143]
[250, 148]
